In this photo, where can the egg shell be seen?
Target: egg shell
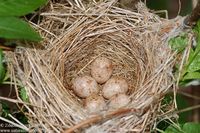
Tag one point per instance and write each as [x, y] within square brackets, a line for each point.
[113, 86]
[95, 103]
[84, 86]
[101, 69]
[119, 101]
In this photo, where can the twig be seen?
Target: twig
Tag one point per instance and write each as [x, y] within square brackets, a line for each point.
[17, 121]
[17, 125]
[19, 102]
[192, 19]
[6, 48]
[98, 118]
[194, 3]
[180, 111]
[188, 109]
[189, 95]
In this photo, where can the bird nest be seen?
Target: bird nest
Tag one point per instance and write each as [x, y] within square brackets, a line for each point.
[74, 36]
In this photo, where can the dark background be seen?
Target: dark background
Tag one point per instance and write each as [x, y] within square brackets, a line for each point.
[172, 6]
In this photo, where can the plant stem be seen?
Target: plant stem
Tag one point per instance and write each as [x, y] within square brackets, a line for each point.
[6, 48]
[98, 118]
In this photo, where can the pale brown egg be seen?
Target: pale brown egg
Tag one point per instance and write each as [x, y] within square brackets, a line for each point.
[101, 69]
[113, 86]
[119, 100]
[95, 103]
[84, 86]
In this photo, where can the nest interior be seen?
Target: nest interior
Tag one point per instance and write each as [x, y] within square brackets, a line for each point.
[135, 41]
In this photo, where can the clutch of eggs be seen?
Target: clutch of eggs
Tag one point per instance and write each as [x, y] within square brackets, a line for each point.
[114, 89]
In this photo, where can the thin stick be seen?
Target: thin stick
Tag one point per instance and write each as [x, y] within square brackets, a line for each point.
[6, 48]
[189, 95]
[194, 3]
[19, 126]
[188, 109]
[20, 102]
[98, 118]
[181, 111]
[179, 7]
[17, 121]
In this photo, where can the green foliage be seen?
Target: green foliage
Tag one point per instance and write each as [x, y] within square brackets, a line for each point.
[5, 110]
[194, 61]
[181, 103]
[23, 94]
[194, 58]
[184, 128]
[197, 31]
[191, 127]
[174, 129]
[12, 27]
[19, 7]
[2, 67]
[191, 70]
[179, 43]
[192, 75]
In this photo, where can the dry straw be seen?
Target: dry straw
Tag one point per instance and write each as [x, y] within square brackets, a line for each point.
[74, 35]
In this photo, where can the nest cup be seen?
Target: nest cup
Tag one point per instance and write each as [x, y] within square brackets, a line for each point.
[136, 50]
[137, 44]
[120, 51]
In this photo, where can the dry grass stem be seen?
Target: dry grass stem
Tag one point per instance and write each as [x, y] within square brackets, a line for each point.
[74, 35]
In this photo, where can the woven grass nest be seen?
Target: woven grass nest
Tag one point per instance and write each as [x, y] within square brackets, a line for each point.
[74, 35]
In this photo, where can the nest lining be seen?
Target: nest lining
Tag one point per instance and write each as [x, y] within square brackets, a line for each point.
[136, 42]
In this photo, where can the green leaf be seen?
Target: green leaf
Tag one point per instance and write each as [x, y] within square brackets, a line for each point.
[23, 95]
[2, 67]
[193, 66]
[19, 7]
[14, 28]
[192, 75]
[194, 62]
[191, 127]
[197, 32]
[179, 43]
[5, 109]
[174, 129]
